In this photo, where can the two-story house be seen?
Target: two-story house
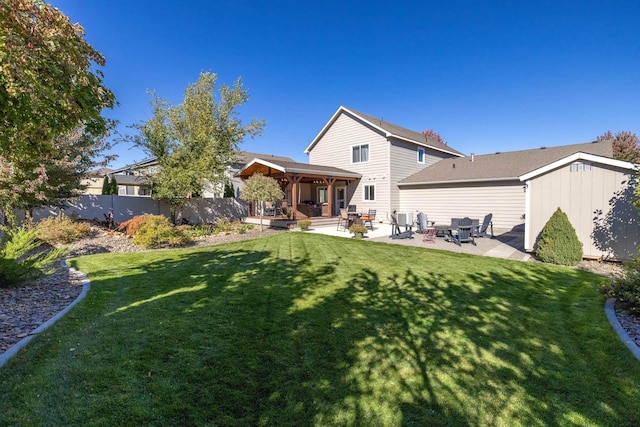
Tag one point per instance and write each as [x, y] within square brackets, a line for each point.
[355, 159]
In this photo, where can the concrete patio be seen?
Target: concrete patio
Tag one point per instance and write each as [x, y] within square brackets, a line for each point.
[506, 244]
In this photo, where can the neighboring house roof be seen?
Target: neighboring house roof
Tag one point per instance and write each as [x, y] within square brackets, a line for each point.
[261, 165]
[131, 180]
[390, 130]
[501, 166]
[243, 158]
[99, 173]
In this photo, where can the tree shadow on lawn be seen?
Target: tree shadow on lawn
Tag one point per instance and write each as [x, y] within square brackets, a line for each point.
[254, 338]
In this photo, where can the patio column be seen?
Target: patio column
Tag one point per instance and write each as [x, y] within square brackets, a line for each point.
[294, 180]
[329, 181]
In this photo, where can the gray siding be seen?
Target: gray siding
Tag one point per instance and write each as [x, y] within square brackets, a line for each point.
[334, 149]
[404, 162]
[598, 204]
[506, 201]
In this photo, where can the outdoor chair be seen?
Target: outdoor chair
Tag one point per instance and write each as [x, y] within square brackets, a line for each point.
[400, 220]
[486, 223]
[343, 220]
[464, 232]
[369, 218]
[352, 209]
[426, 228]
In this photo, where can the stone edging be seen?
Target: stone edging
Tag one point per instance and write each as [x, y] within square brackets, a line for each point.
[609, 309]
[4, 357]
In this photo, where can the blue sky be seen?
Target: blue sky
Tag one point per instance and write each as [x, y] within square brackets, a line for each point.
[489, 76]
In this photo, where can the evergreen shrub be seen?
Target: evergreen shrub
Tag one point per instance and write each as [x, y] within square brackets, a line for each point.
[559, 243]
[21, 257]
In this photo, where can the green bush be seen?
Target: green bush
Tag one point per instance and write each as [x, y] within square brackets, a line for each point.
[243, 228]
[157, 231]
[22, 258]
[61, 229]
[304, 224]
[626, 288]
[223, 225]
[559, 243]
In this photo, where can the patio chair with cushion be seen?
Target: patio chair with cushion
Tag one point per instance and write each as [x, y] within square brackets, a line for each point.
[343, 220]
[426, 228]
[369, 218]
[464, 232]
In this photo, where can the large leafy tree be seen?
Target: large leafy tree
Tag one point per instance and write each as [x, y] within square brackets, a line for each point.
[195, 141]
[51, 100]
[260, 188]
[626, 145]
[48, 82]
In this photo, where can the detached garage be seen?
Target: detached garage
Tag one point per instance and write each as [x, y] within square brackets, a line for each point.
[523, 188]
[596, 194]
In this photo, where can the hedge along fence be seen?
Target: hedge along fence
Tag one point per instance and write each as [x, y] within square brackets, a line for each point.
[124, 208]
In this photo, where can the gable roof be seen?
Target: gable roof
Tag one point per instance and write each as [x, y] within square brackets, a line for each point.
[388, 129]
[266, 166]
[579, 156]
[501, 166]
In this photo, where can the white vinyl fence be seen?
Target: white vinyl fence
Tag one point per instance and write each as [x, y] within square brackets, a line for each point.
[124, 208]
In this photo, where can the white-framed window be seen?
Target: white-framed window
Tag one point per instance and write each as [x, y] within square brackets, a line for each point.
[322, 195]
[580, 167]
[360, 153]
[369, 194]
[421, 155]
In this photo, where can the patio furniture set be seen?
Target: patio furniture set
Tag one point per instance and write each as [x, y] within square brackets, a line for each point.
[351, 216]
[460, 230]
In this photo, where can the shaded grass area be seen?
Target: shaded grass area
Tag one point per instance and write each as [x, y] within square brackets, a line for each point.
[305, 329]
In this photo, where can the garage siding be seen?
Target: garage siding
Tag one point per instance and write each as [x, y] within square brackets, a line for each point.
[506, 201]
[597, 202]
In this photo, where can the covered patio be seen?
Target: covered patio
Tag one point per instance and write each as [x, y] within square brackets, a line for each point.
[310, 190]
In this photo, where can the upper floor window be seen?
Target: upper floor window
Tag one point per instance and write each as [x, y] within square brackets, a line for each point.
[360, 153]
[421, 155]
[580, 167]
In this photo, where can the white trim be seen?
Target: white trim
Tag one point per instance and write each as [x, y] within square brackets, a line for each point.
[388, 135]
[364, 193]
[460, 181]
[262, 162]
[527, 214]
[424, 154]
[579, 156]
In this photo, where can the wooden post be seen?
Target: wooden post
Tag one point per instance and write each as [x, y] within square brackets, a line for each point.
[329, 181]
[294, 180]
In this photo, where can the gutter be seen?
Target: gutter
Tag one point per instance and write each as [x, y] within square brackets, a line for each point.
[406, 184]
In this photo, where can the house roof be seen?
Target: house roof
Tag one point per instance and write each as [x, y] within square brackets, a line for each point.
[501, 166]
[268, 167]
[388, 129]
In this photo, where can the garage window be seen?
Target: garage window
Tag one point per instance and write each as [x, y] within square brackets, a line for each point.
[580, 167]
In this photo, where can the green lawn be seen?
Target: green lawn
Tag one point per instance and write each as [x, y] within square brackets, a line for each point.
[304, 329]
